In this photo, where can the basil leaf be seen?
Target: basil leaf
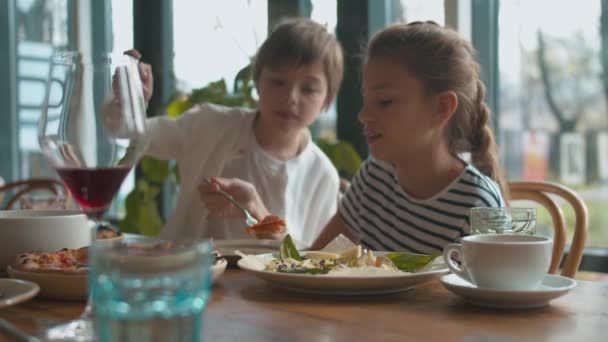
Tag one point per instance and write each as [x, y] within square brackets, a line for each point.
[303, 270]
[288, 249]
[409, 262]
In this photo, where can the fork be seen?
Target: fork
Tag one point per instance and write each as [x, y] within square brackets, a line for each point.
[249, 219]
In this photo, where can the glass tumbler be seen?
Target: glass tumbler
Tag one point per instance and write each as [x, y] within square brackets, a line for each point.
[147, 289]
[503, 220]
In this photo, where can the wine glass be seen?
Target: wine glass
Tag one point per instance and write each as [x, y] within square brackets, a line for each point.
[92, 132]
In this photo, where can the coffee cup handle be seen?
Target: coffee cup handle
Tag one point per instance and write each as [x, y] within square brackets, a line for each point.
[454, 267]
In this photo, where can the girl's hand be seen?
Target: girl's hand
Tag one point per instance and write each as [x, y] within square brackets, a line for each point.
[145, 73]
[242, 191]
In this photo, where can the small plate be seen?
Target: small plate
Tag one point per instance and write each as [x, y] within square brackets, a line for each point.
[218, 268]
[247, 246]
[14, 291]
[350, 285]
[552, 286]
[55, 285]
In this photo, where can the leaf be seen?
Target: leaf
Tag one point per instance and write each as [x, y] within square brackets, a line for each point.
[142, 214]
[288, 249]
[303, 270]
[128, 224]
[178, 106]
[409, 262]
[343, 155]
[154, 170]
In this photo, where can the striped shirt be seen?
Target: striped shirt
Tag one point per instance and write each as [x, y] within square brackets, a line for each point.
[385, 218]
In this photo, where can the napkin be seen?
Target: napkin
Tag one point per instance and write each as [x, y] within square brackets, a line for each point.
[339, 244]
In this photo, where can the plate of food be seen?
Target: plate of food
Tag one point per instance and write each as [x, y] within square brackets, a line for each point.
[350, 270]
[63, 274]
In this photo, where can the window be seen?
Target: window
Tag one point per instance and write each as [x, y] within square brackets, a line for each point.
[215, 39]
[406, 11]
[553, 99]
[397, 11]
[325, 12]
[41, 26]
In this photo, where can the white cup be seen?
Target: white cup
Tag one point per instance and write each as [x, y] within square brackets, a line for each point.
[505, 262]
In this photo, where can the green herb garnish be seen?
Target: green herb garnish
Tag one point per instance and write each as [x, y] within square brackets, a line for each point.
[288, 249]
[409, 262]
[303, 270]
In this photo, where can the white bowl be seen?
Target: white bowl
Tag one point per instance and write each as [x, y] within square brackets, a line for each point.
[40, 230]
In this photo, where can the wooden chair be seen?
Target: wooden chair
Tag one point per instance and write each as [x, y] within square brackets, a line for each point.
[539, 192]
[26, 186]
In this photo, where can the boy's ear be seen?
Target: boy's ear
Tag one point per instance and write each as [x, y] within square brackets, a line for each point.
[447, 105]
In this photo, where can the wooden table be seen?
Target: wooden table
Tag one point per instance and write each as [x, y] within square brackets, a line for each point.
[244, 308]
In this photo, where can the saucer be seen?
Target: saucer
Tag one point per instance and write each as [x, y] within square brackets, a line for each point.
[14, 291]
[552, 286]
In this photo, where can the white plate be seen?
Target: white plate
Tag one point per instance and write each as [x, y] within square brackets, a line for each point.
[246, 246]
[346, 285]
[74, 286]
[218, 269]
[552, 286]
[14, 291]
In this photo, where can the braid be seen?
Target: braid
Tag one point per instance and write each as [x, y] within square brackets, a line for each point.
[484, 154]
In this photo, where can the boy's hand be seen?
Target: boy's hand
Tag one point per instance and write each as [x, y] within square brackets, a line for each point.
[242, 191]
[145, 73]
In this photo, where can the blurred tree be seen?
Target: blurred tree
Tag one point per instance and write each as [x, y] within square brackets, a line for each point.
[567, 72]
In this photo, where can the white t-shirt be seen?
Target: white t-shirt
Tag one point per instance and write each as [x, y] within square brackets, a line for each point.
[211, 140]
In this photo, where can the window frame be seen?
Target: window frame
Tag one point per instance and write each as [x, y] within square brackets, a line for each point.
[484, 22]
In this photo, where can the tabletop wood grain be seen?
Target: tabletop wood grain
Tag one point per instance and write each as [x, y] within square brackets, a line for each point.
[244, 308]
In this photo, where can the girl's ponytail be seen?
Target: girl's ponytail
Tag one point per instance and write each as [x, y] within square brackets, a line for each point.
[484, 152]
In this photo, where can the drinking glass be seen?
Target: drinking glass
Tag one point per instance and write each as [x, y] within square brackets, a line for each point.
[147, 289]
[503, 220]
[90, 156]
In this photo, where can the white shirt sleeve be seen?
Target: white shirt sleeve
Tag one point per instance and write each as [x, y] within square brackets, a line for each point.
[174, 138]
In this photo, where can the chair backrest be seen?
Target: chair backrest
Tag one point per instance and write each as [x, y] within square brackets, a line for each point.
[539, 192]
[23, 187]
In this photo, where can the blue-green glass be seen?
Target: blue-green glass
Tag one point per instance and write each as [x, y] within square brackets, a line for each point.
[146, 289]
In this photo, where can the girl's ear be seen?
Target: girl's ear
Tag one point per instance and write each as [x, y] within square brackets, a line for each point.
[447, 105]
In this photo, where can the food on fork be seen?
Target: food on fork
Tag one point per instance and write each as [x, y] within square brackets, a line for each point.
[270, 227]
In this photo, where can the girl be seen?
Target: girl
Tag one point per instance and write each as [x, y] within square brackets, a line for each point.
[423, 108]
[297, 72]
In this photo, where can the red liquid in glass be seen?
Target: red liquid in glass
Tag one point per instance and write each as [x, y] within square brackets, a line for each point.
[93, 188]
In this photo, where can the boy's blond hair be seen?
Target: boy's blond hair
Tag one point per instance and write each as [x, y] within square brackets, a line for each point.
[301, 41]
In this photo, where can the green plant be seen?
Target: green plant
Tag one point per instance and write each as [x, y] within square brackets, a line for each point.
[343, 155]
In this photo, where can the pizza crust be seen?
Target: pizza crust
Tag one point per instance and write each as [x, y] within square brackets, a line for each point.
[71, 261]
